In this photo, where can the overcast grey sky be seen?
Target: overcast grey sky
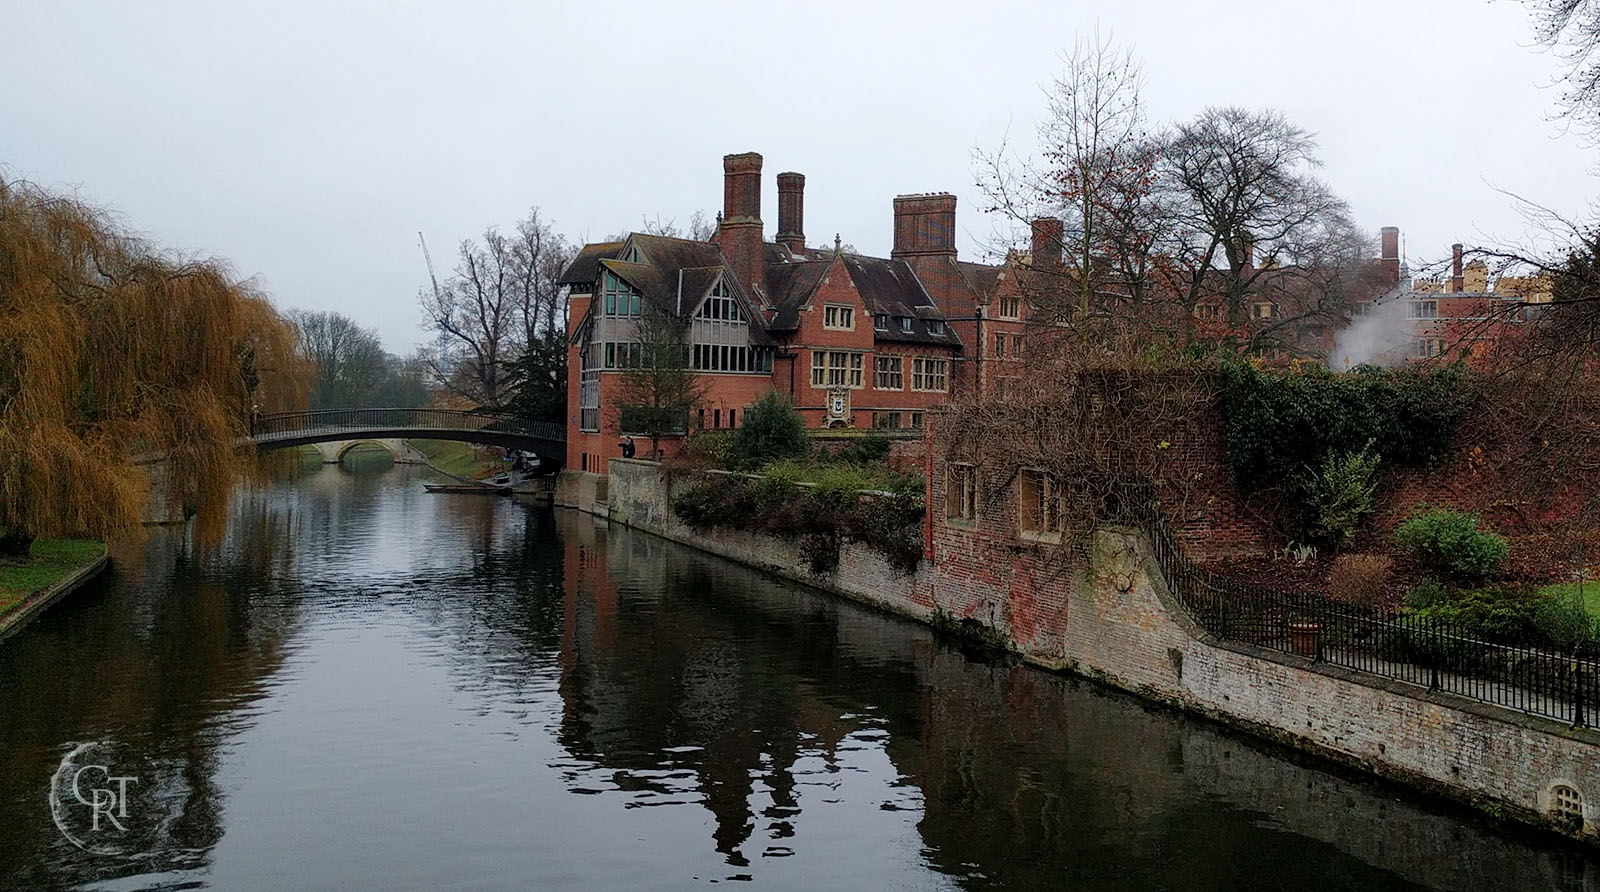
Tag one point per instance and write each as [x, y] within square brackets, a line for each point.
[308, 142]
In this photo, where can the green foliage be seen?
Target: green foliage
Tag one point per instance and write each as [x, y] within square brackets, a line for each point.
[772, 430]
[1339, 499]
[819, 516]
[711, 448]
[1509, 614]
[1563, 620]
[852, 478]
[1450, 541]
[1279, 423]
[1500, 614]
[1427, 593]
[868, 450]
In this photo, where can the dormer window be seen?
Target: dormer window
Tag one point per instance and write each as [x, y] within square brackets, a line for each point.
[720, 305]
[905, 324]
[881, 322]
[935, 327]
[633, 255]
[838, 318]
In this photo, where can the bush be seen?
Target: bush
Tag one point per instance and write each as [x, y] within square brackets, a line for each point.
[712, 448]
[1427, 593]
[1563, 621]
[1359, 580]
[1451, 541]
[1500, 614]
[1339, 499]
[869, 450]
[1279, 423]
[772, 430]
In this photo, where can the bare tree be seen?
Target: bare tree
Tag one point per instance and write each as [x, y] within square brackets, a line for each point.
[502, 299]
[1246, 204]
[1095, 175]
[1571, 28]
[659, 387]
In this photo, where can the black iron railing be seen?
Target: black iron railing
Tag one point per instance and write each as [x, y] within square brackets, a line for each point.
[293, 424]
[1430, 653]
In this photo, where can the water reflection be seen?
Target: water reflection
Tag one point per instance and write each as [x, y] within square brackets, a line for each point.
[370, 687]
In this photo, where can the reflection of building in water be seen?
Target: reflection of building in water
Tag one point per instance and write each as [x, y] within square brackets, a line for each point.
[721, 691]
[1024, 777]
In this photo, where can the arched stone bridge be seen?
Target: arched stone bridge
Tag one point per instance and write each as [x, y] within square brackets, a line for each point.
[546, 439]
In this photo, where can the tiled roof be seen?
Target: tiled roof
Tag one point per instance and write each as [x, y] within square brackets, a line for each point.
[585, 268]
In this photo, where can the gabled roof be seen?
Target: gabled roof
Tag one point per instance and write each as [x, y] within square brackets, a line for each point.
[789, 287]
[585, 267]
[889, 287]
[670, 264]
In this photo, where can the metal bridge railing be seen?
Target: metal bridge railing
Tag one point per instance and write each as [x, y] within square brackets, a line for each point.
[290, 424]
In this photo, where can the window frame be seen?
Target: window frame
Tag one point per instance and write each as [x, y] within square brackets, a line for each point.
[843, 316]
[888, 367]
[1039, 517]
[923, 374]
[961, 494]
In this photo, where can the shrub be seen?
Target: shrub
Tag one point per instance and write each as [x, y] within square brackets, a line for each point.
[712, 448]
[1279, 423]
[1339, 499]
[1427, 593]
[1359, 579]
[868, 450]
[1501, 614]
[1563, 621]
[1451, 541]
[772, 430]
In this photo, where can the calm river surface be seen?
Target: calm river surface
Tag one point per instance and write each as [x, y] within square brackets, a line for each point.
[369, 687]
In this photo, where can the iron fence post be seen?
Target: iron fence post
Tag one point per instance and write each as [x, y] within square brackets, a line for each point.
[1578, 720]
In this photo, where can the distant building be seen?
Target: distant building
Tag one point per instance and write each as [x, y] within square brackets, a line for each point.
[854, 341]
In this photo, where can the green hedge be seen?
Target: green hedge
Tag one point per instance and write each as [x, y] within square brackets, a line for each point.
[1279, 423]
[820, 517]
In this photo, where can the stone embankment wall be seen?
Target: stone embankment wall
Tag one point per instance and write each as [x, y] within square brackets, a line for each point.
[1111, 618]
[639, 495]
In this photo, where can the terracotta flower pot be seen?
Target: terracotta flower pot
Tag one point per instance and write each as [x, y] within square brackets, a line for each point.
[1306, 638]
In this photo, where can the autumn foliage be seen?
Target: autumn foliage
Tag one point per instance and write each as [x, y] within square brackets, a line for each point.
[111, 352]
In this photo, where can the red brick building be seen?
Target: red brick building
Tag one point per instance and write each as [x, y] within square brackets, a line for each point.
[854, 341]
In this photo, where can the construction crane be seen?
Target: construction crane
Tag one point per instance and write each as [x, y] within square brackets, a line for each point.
[431, 277]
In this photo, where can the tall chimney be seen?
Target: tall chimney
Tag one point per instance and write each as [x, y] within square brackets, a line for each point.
[1455, 269]
[740, 232]
[924, 225]
[1389, 260]
[1047, 235]
[792, 211]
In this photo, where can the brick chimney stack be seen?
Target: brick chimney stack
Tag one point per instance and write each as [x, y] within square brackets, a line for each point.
[1389, 258]
[740, 233]
[1456, 282]
[792, 211]
[924, 225]
[1047, 235]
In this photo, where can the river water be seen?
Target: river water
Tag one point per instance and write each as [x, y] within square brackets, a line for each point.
[368, 687]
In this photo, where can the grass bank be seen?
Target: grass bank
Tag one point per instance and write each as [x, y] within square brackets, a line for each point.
[1590, 589]
[52, 560]
[460, 459]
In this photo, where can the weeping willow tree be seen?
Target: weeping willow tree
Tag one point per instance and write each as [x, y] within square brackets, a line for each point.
[113, 353]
